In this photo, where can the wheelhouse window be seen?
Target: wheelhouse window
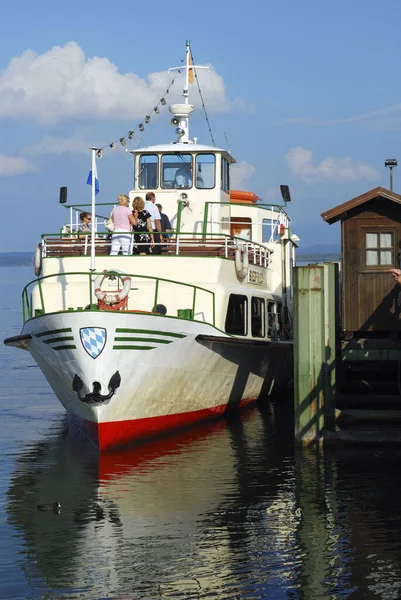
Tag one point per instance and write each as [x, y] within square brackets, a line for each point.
[236, 319]
[177, 171]
[148, 171]
[225, 175]
[379, 248]
[205, 168]
[258, 317]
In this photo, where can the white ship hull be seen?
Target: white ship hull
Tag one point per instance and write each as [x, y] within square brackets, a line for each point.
[171, 372]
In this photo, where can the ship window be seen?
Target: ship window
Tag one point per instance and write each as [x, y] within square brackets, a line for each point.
[176, 170]
[272, 320]
[205, 165]
[241, 227]
[236, 319]
[258, 317]
[225, 175]
[270, 230]
[379, 248]
[148, 171]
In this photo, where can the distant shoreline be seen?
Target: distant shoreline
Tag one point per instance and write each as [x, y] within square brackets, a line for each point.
[16, 259]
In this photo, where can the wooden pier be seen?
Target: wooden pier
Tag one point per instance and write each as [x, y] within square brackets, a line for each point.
[347, 330]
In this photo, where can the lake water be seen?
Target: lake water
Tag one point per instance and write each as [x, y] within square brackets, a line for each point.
[227, 510]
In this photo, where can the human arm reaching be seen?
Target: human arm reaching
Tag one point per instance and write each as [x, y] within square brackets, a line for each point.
[397, 274]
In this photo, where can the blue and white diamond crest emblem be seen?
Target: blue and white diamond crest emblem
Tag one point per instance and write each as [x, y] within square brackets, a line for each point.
[93, 340]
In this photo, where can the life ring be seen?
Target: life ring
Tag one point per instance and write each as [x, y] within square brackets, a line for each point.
[37, 262]
[112, 301]
[241, 261]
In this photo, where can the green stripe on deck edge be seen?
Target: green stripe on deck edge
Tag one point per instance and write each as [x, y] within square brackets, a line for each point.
[141, 339]
[67, 347]
[53, 331]
[67, 338]
[122, 330]
[134, 347]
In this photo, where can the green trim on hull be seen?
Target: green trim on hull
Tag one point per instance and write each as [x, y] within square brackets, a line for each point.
[54, 331]
[134, 347]
[154, 331]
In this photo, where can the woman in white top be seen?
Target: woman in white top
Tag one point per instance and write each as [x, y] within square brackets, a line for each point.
[123, 220]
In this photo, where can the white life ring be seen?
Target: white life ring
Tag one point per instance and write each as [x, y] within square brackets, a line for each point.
[112, 298]
[37, 263]
[241, 261]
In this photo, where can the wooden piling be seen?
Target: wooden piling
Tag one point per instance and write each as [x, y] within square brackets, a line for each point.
[316, 322]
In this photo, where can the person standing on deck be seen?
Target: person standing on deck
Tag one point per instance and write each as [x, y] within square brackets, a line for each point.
[123, 220]
[165, 223]
[156, 220]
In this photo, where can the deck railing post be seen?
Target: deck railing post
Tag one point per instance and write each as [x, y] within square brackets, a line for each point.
[315, 349]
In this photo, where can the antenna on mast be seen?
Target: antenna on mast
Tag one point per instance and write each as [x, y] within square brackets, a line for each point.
[182, 111]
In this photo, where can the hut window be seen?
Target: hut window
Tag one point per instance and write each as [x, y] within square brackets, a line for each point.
[236, 319]
[258, 317]
[379, 248]
[148, 171]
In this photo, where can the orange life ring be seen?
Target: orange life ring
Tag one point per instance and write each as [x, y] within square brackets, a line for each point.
[112, 301]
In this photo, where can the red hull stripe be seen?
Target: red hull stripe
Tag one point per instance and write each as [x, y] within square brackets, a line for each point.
[118, 433]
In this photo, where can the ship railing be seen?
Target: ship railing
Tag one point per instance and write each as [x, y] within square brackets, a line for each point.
[74, 291]
[276, 216]
[178, 244]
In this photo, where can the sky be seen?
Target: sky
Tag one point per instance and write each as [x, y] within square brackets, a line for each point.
[302, 93]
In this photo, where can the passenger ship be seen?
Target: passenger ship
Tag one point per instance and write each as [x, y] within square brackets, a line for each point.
[138, 345]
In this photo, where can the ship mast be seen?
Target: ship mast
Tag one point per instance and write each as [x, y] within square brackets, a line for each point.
[182, 111]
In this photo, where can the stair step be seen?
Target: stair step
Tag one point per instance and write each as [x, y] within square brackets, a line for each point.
[368, 401]
[367, 437]
[376, 416]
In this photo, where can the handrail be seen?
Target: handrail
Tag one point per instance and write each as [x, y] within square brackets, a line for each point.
[175, 241]
[27, 306]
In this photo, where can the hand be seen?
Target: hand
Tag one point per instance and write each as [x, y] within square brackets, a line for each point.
[396, 273]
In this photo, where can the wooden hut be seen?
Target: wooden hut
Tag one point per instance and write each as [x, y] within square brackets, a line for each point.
[370, 246]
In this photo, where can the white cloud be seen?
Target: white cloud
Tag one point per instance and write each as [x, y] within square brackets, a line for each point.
[336, 170]
[63, 83]
[14, 165]
[57, 146]
[239, 173]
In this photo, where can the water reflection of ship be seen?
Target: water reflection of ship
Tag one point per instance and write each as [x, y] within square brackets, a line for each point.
[177, 513]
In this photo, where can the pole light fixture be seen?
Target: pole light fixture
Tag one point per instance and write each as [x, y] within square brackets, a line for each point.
[391, 163]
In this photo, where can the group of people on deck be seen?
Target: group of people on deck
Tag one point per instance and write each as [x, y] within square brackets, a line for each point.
[147, 221]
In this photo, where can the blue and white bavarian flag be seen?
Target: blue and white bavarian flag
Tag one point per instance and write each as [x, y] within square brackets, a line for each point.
[93, 340]
[90, 179]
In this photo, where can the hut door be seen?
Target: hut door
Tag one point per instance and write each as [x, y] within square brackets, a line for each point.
[378, 297]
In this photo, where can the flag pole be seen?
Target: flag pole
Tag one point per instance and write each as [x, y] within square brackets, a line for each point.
[92, 268]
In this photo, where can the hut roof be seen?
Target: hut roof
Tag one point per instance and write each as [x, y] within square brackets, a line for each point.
[339, 212]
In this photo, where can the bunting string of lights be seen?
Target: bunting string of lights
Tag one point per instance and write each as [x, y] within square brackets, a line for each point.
[141, 126]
